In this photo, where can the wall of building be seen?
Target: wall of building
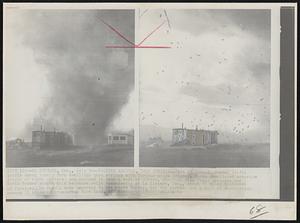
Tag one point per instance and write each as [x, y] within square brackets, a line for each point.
[38, 139]
[130, 140]
[120, 139]
[179, 135]
[214, 137]
[43, 139]
[194, 137]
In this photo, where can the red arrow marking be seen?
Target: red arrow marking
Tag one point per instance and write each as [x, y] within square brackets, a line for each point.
[114, 46]
[116, 31]
[133, 45]
[151, 33]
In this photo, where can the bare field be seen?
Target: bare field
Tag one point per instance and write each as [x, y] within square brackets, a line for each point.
[100, 156]
[211, 156]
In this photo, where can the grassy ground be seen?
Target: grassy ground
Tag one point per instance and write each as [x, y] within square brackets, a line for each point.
[221, 155]
[101, 156]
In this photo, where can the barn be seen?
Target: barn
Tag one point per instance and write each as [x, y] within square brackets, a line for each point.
[183, 136]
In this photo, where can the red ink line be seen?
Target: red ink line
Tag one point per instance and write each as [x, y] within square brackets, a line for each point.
[133, 45]
[151, 33]
[117, 32]
[120, 46]
[136, 46]
[153, 47]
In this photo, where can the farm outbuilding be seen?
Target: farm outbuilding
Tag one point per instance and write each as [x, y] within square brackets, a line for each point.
[50, 139]
[17, 143]
[183, 136]
[120, 138]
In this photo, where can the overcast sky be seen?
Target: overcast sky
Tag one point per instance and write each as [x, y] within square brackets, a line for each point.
[216, 74]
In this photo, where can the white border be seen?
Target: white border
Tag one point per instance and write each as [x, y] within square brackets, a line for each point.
[275, 100]
[145, 209]
[137, 96]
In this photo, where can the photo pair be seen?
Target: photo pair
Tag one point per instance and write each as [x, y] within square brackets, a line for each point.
[156, 102]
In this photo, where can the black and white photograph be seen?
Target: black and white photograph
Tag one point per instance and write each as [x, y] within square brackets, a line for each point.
[69, 90]
[205, 97]
[149, 111]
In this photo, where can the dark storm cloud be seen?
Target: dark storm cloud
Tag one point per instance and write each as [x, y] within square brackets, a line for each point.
[257, 21]
[197, 22]
[89, 83]
[260, 70]
[221, 94]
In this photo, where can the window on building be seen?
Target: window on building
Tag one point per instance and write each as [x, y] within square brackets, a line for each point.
[116, 138]
[122, 138]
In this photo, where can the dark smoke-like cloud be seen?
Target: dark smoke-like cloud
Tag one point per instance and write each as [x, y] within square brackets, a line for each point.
[89, 83]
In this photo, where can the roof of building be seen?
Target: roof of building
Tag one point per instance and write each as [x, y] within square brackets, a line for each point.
[195, 129]
[51, 132]
[121, 133]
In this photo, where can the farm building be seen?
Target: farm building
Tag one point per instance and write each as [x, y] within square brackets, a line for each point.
[183, 136]
[17, 143]
[46, 139]
[120, 138]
